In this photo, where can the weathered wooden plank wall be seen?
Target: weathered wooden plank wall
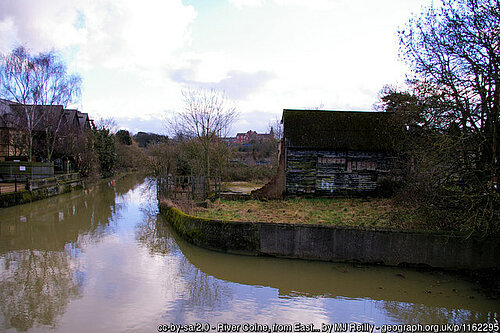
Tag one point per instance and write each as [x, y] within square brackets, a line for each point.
[325, 172]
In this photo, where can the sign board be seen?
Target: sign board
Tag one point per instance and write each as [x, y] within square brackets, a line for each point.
[22, 168]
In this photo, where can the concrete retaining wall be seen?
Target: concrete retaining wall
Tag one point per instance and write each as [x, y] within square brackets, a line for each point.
[230, 237]
[340, 244]
[21, 197]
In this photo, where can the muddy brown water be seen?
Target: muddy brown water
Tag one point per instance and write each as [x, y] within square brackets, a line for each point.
[103, 260]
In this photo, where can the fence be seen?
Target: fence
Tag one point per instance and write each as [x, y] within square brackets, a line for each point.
[188, 187]
[14, 186]
[38, 183]
[11, 171]
[18, 176]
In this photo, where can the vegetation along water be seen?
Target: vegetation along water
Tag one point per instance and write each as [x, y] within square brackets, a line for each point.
[103, 260]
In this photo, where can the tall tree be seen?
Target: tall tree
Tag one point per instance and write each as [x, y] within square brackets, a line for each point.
[34, 81]
[456, 50]
[123, 137]
[451, 110]
[103, 146]
[207, 117]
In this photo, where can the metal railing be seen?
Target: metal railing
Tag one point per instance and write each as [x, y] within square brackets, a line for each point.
[188, 187]
[17, 184]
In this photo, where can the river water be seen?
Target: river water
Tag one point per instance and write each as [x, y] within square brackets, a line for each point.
[103, 260]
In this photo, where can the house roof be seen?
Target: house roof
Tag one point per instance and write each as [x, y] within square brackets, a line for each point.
[4, 110]
[74, 118]
[71, 117]
[346, 130]
[83, 118]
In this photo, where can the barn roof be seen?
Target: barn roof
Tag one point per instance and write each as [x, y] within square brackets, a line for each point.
[347, 130]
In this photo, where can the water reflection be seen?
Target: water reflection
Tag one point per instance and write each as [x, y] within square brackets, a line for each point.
[52, 223]
[395, 295]
[418, 313]
[152, 234]
[40, 248]
[35, 287]
[201, 290]
[103, 260]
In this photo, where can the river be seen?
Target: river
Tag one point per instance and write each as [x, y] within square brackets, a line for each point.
[103, 260]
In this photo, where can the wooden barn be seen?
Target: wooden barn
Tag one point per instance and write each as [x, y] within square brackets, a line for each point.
[327, 153]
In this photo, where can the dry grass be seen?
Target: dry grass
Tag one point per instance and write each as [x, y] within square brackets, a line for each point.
[381, 213]
[241, 187]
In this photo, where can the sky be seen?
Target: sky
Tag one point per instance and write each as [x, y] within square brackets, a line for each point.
[136, 57]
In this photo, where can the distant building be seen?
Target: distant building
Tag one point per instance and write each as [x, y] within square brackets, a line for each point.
[332, 152]
[252, 148]
[249, 136]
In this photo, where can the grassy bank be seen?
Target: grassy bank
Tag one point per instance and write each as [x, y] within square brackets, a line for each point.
[381, 213]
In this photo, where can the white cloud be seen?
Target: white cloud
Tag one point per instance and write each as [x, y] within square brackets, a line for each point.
[247, 3]
[122, 48]
[236, 84]
[7, 34]
[113, 33]
[135, 57]
[123, 34]
[40, 25]
[311, 4]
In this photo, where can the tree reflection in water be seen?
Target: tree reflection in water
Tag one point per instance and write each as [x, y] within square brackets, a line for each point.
[35, 287]
[153, 235]
[40, 247]
[201, 290]
[56, 251]
[405, 295]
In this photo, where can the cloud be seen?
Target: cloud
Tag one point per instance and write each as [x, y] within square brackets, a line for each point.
[111, 33]
[126, 44]
[137, 124]
[311, 4]
[247, 3]
[124, 34]
[255, 120]
[7, 35]
[237, 85]
[39, 25]
[135, 57]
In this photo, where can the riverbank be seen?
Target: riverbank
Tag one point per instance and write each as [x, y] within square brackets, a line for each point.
[102, 259]
[46, 188]
[49, 187]
[338, 243]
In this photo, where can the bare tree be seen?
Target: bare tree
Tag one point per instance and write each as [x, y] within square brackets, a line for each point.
[50, 126]
[451, 112]
[455, 50]
[109, 124]
[275, 127]
[206, 119]
[33, 82]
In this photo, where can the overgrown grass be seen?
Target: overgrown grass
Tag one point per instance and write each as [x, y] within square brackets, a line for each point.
[381, 213]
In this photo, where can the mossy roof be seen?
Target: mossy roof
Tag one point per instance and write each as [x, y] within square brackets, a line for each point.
[345, 130]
